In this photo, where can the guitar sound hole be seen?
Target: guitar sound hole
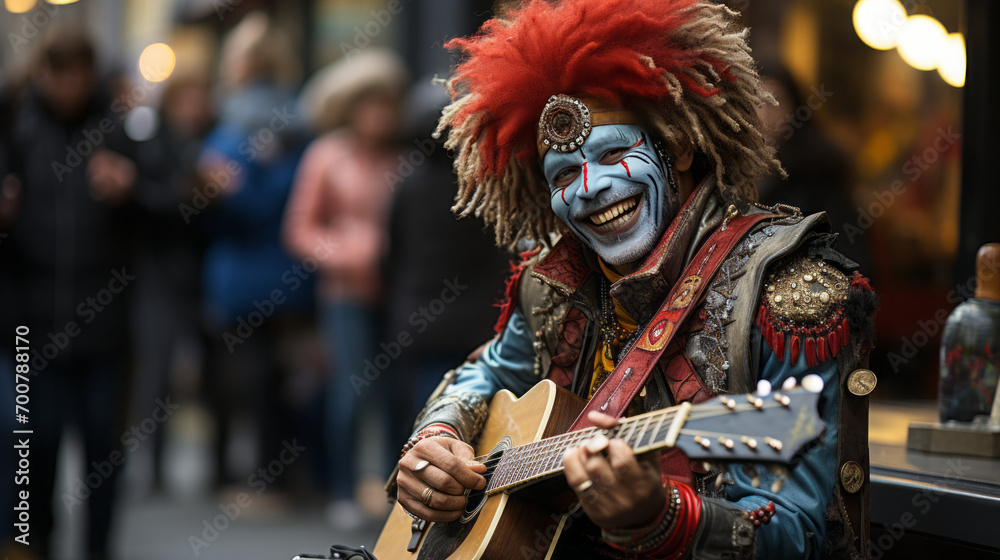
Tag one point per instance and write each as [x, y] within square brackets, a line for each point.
[477, 498]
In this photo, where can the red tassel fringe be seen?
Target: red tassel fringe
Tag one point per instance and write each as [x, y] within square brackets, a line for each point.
[817, 344]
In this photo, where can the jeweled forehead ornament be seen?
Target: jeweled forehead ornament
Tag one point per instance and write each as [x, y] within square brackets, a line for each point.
[566, 121]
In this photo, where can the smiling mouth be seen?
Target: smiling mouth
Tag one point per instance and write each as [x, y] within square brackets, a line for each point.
[616, 217]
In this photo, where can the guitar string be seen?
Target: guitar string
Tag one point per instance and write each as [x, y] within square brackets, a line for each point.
[669, 413]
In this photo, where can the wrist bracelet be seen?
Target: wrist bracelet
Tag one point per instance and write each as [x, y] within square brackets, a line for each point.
[650, 536]
[424, 434]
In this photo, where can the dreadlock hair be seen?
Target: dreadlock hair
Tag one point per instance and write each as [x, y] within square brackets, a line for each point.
[684, 64]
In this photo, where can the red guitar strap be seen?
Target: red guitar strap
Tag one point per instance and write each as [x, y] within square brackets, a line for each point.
[632, 371]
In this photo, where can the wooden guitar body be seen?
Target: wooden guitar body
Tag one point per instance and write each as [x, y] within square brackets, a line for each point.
[507, 525]
[526, 510]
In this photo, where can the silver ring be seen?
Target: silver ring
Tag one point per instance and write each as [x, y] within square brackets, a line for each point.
[583, 486]
[407, 512]
[421, 466]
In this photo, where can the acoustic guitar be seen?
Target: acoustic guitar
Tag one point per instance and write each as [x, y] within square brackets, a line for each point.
[526, 505]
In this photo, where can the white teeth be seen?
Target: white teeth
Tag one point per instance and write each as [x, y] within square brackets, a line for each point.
[613, 212]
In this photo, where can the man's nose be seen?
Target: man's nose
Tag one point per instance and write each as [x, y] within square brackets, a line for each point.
[593, 181]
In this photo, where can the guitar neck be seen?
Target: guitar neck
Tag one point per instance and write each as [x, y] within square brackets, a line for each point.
[542, 459]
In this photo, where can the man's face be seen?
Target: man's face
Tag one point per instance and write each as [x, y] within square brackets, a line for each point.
[613, 192]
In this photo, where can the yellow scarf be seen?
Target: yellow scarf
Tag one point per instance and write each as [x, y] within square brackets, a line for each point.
[604, 362]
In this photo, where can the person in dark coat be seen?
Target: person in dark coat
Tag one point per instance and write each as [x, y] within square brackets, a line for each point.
[68, 206]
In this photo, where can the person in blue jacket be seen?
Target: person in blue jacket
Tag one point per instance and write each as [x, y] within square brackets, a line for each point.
[621, 139]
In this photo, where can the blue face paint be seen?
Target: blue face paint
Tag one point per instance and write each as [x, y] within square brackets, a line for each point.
[613, 193]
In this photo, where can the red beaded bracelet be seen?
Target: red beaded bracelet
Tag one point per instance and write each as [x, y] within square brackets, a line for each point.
[428, 432]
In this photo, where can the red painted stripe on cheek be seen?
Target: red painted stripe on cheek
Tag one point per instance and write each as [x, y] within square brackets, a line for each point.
[585, 177]
[625, 165]
[562, 193]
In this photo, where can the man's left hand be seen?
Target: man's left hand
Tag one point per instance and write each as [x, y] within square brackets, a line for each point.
[626, 492]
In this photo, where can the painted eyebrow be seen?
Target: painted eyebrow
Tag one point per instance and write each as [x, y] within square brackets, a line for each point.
[558, 161]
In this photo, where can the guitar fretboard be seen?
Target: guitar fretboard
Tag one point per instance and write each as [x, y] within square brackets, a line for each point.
[543, 458]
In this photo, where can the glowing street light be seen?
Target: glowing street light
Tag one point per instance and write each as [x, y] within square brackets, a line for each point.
[19, 6]
[921, 41]
[877, 22]
[951, 60]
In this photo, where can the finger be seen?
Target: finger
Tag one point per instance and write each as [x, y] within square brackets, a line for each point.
[445, 459]
[602, 420]
[622, 460]
[413, 505]
[600, 471]
[465, 452]
[573, 468]
[441, 501]
[436, 478]
[441, 460]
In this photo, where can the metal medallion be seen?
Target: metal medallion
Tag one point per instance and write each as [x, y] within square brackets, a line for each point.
[861, 382]
[852, 476]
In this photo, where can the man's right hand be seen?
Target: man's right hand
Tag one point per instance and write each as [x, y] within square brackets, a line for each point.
[452, 470]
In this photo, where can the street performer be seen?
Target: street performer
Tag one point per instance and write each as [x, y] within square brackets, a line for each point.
[620, 138]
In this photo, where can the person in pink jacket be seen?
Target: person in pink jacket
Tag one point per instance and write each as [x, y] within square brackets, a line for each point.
[336, 222]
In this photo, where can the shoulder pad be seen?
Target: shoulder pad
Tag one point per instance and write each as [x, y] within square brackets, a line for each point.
[803, 305]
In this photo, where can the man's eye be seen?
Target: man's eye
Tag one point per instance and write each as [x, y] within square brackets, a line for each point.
[565, 177]
[612, 156]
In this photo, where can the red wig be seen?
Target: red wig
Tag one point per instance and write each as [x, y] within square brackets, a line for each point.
[674, 55]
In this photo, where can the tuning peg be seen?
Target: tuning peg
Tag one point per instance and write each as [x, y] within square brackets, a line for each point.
[726, 442]
[728, 402]
[783, 399]
[788, 385]
[704, 442]
[812, 383]
[755, 401]
[763, 388]
[750, 442]
[774, 443]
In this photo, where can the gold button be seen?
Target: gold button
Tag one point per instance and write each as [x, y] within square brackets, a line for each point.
[852, 476]
[861, 382]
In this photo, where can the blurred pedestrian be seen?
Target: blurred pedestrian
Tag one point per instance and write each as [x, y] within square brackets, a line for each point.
[427, 248]
[255, 294]
[169, 250]
[338, 214]
[68, 204]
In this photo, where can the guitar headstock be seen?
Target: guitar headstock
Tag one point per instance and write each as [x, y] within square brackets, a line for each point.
[763, 427]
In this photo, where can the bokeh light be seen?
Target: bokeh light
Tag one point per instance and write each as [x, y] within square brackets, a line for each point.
[921, 41]
[142, 123]
[877, 22]
[156, 62]
[951, 61]
[19, 6]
